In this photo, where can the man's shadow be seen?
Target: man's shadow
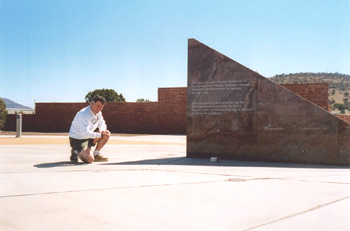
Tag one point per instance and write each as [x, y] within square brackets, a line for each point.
[57, 164]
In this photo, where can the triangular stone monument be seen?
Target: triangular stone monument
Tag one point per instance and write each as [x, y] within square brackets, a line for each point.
[235, 113]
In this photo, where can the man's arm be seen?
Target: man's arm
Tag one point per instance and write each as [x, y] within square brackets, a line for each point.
[103, 128]
[84, 127]
[102, 124]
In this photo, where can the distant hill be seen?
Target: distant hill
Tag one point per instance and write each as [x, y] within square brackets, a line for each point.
[338, 84]
[336, 81]
[11, 104]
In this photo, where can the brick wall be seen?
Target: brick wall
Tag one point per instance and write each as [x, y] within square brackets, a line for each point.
[167, 116]
[132, 117]
[173, 109]
[346, 118]
[314, 92]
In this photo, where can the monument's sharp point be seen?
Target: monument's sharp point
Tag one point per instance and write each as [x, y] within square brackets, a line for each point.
[235, 113]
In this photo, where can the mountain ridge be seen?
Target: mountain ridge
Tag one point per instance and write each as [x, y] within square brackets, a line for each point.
[10, 104]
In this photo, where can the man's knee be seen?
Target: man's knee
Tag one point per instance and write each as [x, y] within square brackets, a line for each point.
[90, 159]
[107, 135]
[86, 155]
[105, 138]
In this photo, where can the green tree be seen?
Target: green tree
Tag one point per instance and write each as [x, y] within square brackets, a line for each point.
[3, 113]
[142, 100]
[109, 94]
[341, 107]
[347, 105]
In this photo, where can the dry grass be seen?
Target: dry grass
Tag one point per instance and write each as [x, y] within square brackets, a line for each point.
[54, 139]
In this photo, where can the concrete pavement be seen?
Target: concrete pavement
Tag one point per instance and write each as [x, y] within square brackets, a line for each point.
[148, 184]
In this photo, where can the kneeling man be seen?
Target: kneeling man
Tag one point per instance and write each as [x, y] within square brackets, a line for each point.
[87, 130]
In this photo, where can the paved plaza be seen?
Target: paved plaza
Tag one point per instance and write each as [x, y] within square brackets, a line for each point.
[149, 184]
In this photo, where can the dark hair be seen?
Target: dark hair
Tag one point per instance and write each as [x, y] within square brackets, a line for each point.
[99, 98]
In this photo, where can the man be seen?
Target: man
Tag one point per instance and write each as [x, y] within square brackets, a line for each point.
[87, 130]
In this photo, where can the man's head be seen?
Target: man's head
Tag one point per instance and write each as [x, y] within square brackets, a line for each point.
[97, 104]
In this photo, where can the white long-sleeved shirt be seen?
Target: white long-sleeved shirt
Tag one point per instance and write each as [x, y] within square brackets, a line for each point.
[84, 124]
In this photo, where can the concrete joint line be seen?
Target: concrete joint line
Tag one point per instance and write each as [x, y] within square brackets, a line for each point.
[314, 181]
[296, 214]
[199, 173]
[102, 189]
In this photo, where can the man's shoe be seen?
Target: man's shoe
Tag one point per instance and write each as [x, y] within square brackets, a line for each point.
[100, 158]
[73, 156]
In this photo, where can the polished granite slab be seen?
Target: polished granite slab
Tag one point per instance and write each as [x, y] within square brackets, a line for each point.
[235, 113]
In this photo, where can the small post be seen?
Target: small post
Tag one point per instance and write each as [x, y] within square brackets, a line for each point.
[18, 125]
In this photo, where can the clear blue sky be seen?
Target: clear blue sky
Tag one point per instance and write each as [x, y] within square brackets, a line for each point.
[59, 50]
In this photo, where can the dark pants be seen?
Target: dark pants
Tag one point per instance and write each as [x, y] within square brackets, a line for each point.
[79, 145]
